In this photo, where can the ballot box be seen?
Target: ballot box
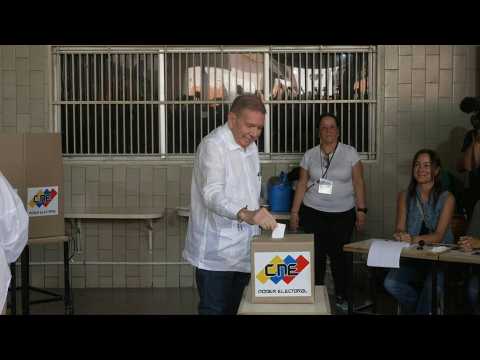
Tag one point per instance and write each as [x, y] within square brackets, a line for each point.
[282, 269]
[321, 306]
[33, 165]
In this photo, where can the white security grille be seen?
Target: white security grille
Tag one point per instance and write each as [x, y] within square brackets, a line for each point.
[162, 101]
[200, 87]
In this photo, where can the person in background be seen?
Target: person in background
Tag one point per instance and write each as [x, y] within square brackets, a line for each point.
[329, 201]
[224, 207]
[470, 162]
[469, 243]
[424, 213]
[13, 235]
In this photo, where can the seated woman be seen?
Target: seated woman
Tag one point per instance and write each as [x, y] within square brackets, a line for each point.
[424, 213]
[469, 243]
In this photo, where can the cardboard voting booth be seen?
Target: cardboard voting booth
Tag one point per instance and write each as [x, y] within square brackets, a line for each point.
[282, 269]
[33, 165]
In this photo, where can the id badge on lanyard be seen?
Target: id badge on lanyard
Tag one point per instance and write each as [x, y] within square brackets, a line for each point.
[325, 186]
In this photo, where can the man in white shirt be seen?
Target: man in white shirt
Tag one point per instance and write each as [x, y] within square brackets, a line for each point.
[13, 234]
[224, 208]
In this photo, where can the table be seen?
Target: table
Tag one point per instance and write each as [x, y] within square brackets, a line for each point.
[184, 211]
[362, 247]
[456, 257]
[25, 276]
[320, 307]
[149, 215]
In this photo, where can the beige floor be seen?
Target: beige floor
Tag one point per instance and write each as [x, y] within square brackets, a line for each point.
[158, 301]
[168, 301]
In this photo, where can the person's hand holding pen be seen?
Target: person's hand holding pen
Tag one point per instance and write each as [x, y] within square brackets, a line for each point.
[260, 217]
[466, 243]
[403, 236]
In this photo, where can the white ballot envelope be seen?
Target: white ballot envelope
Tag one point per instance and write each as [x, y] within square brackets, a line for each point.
[385, 253]
[279, 231]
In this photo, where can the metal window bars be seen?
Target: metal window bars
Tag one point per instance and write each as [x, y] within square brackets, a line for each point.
[161, 101]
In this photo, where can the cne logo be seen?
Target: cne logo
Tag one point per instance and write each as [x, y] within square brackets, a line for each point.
[42, 198]
[279, 269]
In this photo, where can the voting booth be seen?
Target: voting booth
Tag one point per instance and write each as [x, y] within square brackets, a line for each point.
[282, 269]
[32, 164]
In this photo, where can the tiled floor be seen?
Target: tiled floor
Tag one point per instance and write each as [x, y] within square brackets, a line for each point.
[158, 301]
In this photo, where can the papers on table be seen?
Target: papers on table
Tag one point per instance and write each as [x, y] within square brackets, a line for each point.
[279, 231]
[385, 253]
[439, 249]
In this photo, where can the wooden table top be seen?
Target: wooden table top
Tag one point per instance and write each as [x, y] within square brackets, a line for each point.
[362, 247]
[47, 240]
[459, 256]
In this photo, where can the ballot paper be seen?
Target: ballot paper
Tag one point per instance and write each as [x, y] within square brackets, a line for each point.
[385, 253]
[279, 231]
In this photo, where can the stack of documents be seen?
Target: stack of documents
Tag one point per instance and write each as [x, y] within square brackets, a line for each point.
[385, 253]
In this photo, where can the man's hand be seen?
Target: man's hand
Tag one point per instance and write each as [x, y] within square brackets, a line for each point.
[260, 217]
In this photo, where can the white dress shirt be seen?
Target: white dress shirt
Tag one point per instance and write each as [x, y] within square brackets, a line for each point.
[225, 179]
[13, 233]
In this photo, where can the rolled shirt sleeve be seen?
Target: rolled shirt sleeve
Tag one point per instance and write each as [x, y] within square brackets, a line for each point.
[212, 179]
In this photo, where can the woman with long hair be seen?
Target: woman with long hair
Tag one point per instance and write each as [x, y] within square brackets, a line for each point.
[424, 213]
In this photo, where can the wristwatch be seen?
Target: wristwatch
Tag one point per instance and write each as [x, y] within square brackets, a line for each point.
[364, 210]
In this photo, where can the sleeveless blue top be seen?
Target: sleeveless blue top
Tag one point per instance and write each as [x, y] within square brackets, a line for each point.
[431, 213]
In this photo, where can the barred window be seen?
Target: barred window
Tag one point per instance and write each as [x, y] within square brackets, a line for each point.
[163, 101]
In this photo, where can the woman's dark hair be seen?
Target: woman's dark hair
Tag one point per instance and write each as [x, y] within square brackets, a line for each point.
[437, 184]
[327, 114]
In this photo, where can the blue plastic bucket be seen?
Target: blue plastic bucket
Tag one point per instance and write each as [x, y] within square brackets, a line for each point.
[280, 196]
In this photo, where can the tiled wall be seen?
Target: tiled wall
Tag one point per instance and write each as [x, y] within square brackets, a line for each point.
[130, 185]
[23, 88]
[420, 89]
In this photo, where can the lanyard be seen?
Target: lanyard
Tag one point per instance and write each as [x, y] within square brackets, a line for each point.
[329, 162]
[420, 207]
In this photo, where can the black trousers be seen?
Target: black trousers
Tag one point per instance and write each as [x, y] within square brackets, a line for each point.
[331, 231]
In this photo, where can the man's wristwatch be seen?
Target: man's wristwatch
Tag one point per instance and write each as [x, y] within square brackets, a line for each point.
[364, 210]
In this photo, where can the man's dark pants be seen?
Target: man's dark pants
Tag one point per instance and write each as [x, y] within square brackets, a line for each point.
[220, 291]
